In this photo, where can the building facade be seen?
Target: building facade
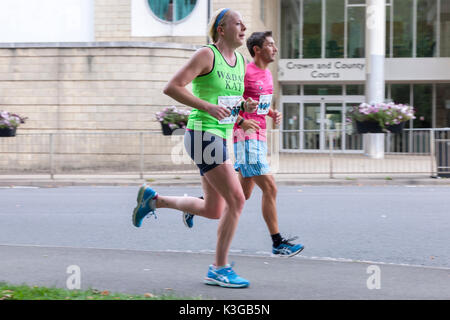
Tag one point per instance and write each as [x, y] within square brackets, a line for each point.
[322, 66]
[100, 65]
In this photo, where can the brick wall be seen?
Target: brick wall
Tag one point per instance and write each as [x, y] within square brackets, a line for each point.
[88, 88]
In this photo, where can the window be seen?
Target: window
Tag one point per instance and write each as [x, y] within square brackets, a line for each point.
[356, 30]
[426, 28]
[312, 26]
[291, 121]
[400, 93]
[290, 29]
[445, 28]
[172, 10]
[355, 89]
[403, 28]
[423, 101]
[336, 28]
[322, 90]
[443, 105]
[335, 21]
[291, 90]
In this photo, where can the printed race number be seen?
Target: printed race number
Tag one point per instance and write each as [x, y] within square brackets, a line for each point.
[232, 103]
[264, 104]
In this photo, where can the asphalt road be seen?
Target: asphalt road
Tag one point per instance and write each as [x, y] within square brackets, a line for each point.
[391, 224]
[347, 230]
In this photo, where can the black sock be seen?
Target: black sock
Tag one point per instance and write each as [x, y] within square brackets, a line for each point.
[276, 239]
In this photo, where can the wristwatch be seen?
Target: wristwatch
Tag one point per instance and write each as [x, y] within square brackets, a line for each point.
[243, 105]
[240, 122]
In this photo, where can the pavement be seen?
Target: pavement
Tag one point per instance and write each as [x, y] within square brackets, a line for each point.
[181, 273]
[168, 179]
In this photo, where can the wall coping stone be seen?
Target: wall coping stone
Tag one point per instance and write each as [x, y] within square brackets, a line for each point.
[121, 44]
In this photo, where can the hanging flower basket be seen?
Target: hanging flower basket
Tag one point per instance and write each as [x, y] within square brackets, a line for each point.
[9, 123]
[381, 117]
[172, 120]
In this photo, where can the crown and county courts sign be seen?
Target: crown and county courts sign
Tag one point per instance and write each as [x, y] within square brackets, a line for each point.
[321, 70]
[395, 69]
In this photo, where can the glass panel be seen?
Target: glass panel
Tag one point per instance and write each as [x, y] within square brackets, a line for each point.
[290, 29]
[312, 126]
[183, 8]
[162, 9]
[322, 90]
[355, 89]
[388, 30]
[400, 94]
[445, 28]
[356, 31]
[291, 89]
[403, 28]
[291, 116]
[426, 28]
[443, 105]
[333, 121]
[357, 2]
[312, 26]
[353, 140]
[172, 10]
[423, 101]
[335, 11]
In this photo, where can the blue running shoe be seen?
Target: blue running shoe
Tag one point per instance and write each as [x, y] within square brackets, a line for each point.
[146, 203]
[225, 277]
[188, 218]
[287, 249]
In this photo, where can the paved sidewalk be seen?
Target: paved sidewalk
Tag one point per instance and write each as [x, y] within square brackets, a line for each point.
[166, 179]
[181, 274]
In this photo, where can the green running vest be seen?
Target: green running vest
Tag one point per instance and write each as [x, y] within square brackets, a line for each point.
[223, 80]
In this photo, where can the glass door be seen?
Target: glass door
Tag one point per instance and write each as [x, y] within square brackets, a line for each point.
[333, 125]
[312, 118]
[308, 125]
[353, 140]
[291, 121]
[320, 119]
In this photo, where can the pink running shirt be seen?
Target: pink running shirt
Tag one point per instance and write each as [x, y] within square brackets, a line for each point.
[257, 82]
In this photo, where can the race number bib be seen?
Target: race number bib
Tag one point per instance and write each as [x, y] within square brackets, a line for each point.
[233, 104]
[264, 104]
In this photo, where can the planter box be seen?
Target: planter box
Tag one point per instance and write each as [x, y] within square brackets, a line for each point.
[6, 132]
[374, 127]
[167, 131]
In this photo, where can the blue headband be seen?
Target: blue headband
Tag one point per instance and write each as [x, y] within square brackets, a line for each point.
[219, 17]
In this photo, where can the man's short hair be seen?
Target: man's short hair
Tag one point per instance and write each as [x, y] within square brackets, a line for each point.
[257, 39]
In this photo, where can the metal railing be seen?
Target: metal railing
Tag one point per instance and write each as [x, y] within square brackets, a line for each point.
[413, 151]
[442, 149]
[409, 141]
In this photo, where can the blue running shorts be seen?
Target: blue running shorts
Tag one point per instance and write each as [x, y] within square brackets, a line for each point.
[251, 158]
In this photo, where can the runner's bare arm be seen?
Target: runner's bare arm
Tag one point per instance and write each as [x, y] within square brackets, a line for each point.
[200, 63]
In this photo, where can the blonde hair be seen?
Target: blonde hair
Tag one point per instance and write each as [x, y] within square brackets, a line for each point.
[212, 30]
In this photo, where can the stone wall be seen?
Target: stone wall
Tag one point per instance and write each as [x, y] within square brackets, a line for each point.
[88, 94]
[97, 86]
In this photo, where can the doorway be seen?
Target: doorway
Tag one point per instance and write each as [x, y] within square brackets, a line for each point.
[309, 124]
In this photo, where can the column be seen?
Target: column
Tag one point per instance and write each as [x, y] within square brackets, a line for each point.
[375, 54]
